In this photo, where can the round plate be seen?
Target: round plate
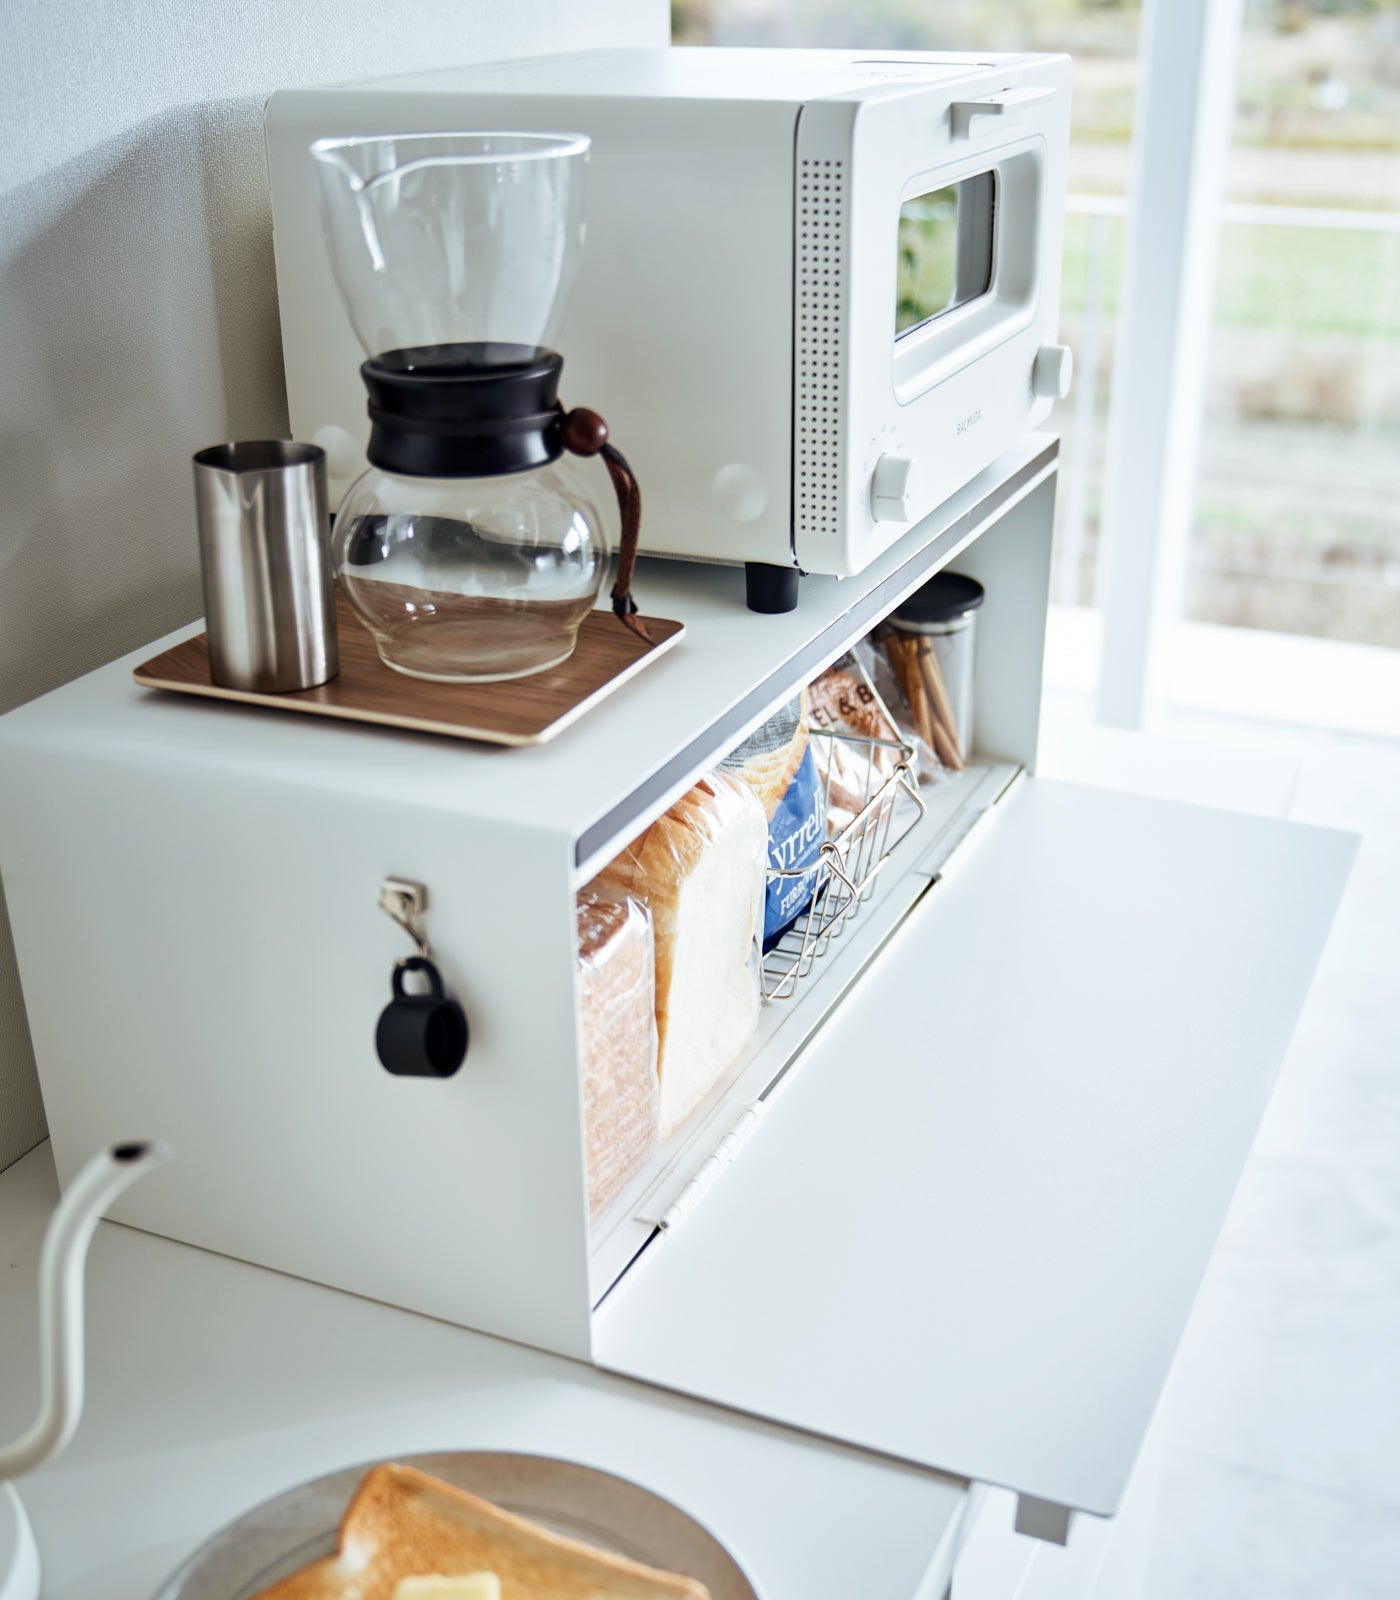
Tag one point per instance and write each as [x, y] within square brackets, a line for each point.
[301, 1524]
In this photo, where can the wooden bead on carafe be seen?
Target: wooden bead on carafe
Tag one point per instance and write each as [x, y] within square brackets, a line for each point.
[585, 433]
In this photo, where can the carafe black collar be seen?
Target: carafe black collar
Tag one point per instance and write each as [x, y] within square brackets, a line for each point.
[464, 410]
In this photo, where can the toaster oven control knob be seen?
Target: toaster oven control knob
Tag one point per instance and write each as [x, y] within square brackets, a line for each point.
[891, 489]
[1053, 372]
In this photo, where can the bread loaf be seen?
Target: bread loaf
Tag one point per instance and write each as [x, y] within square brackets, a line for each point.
[617, 1039]
[699, 870]
[402, 1523]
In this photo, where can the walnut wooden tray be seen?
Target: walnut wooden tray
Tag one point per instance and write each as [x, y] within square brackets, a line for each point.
[518, 711]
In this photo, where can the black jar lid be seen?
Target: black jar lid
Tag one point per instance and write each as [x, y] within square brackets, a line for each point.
[464, 410]
[944, 598]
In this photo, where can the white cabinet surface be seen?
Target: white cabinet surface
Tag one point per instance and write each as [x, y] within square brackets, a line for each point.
[207, 876]
[993, 1143]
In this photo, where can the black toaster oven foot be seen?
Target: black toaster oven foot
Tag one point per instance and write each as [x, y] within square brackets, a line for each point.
[770, 589]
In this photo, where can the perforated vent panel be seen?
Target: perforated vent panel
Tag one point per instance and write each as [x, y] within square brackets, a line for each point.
[821, 265]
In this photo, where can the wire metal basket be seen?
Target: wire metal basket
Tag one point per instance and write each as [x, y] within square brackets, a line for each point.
[872, 798]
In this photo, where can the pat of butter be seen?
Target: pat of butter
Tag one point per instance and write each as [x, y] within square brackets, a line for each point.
[475, 1586]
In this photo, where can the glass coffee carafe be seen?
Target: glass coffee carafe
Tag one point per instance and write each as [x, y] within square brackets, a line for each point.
[475, 545]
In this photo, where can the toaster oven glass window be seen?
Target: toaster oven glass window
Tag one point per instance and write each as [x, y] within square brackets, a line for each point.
[946, 240]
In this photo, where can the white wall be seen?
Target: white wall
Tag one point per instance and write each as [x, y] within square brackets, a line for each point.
[138, 314]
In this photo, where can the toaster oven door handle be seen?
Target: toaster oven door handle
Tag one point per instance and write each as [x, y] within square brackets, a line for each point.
[1006, 105]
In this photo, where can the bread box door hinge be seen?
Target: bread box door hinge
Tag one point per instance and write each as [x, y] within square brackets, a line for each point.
[723, 1156]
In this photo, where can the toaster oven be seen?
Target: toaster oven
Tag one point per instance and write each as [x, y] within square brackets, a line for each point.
[819, 291]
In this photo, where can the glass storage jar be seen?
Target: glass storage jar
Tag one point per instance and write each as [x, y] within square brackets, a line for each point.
[931, 643]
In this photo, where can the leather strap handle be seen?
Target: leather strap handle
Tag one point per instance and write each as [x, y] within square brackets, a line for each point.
[586, 434]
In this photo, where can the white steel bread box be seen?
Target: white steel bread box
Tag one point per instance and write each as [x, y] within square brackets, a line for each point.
[951, 1204]
[820, 290]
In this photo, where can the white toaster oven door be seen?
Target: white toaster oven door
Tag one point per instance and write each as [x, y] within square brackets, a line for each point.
[926, 287]
[971, 1232]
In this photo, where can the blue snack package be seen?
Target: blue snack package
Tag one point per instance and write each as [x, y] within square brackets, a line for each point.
[796, 833]
[794, 805]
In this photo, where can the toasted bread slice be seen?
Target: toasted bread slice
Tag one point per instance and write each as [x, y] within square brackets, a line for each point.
[402, 1523]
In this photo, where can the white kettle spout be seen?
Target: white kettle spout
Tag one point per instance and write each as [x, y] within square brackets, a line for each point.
[61, 1264]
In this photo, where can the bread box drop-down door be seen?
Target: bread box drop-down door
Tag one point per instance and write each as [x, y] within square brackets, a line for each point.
[970, 1233]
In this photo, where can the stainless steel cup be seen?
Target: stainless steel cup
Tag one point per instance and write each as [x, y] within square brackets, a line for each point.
[264, 550]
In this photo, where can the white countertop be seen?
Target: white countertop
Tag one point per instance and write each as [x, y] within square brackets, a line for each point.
[213, 1385]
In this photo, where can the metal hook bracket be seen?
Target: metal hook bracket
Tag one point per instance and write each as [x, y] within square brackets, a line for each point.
[404, 902]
